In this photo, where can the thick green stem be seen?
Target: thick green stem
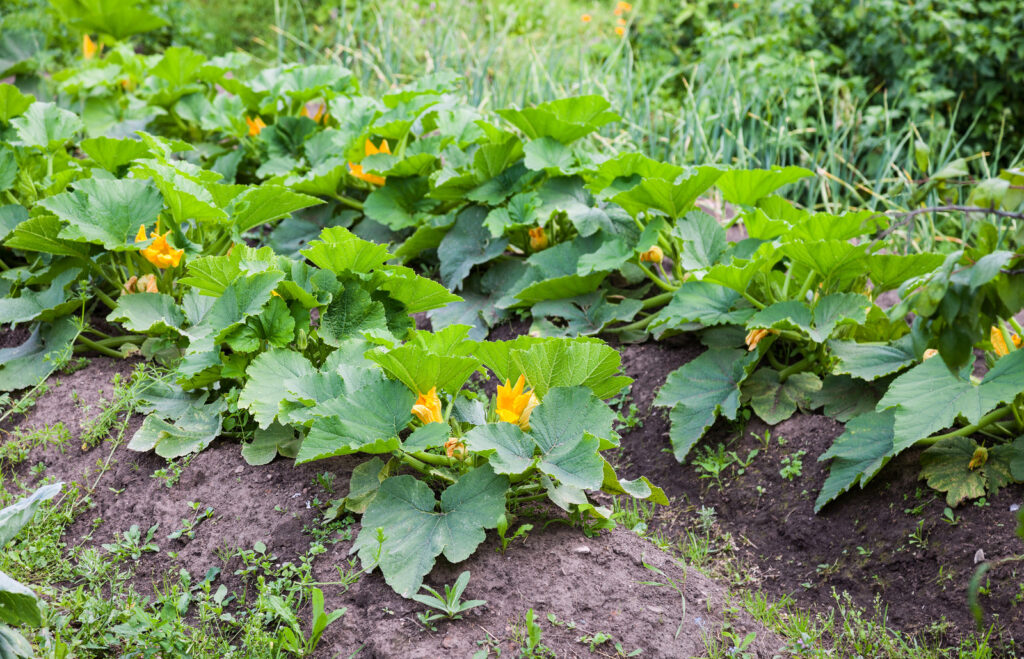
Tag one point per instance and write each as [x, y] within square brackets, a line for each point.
[661, 283]
[994, 415]
[638, 325]
[532, 497]
[348, 201]
[105, 299]
[750, 298]
[423, 467]
[87, 344]
[658, 300]
[795, 368]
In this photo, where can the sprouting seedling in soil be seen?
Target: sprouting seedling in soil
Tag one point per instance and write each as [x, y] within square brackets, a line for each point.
[505, 539]
[449, 605]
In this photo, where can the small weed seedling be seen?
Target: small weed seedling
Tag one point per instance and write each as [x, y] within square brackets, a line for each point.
[506, 539]
[713, 463]
[669, 583]
[449, 606]
[290, 638]
[133, 545]
[792, 465]
[529, 638]
[188, 526]
[171, 474]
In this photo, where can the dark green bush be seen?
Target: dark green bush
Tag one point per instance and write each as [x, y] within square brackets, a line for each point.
[935, 52]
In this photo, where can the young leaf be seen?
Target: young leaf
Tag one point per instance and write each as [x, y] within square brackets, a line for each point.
[870, 361]
[33, 361]
[339, 250]
[267, 443]
[468, 243]
[420, 369]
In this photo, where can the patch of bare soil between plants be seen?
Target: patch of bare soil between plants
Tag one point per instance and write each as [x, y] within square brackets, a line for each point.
[593, 583]
[889, 540]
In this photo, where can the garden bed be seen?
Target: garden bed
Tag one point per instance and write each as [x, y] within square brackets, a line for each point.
[590, 585]
[889, 541]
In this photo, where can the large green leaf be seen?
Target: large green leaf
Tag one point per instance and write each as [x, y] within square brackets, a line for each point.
[242, 298]
[859, 454]
[18, 606]
[947, 468]
[267, 443]
[33, 361]
[844, 397]
[570, 363]
[12, 101]
[746, 186]
[701, 390]
[832, 259]
[118, 18]
[870, 361]
[467, 243]
[112, 154]
[421, 369]
[35, 304]
[888, 271]
[928, 398]
[702, 303]
[415, 292]
[15, 516]
[568, 426]
[703, 239]
[776, 401]
[368, 421]
[266, 203]
[673, 198]
[338, 250]
[416, 532]
[107, 211]
[508, 449]
[148, 312]
[565, 120]
[352, 313]
[45, 125]
[268, 380]
[190, 433]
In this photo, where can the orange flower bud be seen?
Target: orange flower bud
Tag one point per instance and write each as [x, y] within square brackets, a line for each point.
[653, 255]
[538, 239]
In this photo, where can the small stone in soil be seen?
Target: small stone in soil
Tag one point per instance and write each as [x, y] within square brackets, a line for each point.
[582, 549]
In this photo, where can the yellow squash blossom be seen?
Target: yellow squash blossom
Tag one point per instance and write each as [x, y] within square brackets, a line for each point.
[159, 253]
[620, 30]
[514, 405]
[999, 344]
[653, 255]
[428, 407]
[622, 8]
[538, 239]
[454, 448]
[754, 337]
[89, 47]
[357, 170]
[321, 113]
[256, 125]
[143, 284]
[586, 18]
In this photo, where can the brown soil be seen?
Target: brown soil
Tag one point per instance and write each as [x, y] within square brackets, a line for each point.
[591, 582]
[861, 544]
